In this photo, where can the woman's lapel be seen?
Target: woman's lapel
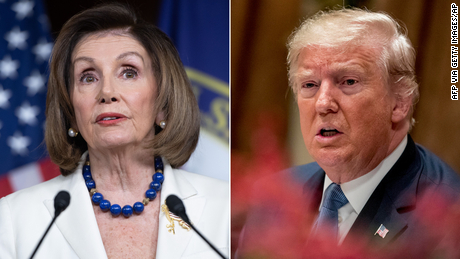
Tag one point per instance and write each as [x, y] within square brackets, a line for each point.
[175, 243]
[77, 223]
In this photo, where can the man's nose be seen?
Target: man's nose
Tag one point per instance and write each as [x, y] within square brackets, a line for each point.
[326, 101]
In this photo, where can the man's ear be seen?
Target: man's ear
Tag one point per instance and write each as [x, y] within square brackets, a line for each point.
[401, 108]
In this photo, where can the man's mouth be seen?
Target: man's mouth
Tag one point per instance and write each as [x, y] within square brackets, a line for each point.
[328, 132]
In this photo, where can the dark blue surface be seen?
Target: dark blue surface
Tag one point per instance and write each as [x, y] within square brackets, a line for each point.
[87, 176]
[158, 163]
[127, 211]
[115, 209]
[151, 194]
[200, 32]
[155, 185]
[97, 198]
[138, 207]
[158, 177]
[104, 205]
[90, 184]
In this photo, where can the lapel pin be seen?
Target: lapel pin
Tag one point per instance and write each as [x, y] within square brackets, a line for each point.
[382, 231]
[171, 217]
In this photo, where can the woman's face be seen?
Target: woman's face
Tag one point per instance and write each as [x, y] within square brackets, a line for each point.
[113, 91]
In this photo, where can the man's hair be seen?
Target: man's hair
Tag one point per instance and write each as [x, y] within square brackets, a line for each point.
[345, 28]
[175, 97]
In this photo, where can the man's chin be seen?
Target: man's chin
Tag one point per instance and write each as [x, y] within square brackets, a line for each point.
[329, 159]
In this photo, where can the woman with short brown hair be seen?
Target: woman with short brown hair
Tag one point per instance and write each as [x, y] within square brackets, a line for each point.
[120, 113]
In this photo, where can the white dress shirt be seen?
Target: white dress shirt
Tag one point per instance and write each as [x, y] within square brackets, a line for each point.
[359, 190]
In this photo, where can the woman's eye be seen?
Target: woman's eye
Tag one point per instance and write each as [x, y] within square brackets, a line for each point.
[88, 79]
[129, 73]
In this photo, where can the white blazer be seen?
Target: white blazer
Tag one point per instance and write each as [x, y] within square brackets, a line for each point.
[25, 215]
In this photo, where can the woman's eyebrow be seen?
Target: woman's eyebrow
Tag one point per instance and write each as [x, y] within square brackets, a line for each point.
[83, 58]
[121, 56]
[130, 53]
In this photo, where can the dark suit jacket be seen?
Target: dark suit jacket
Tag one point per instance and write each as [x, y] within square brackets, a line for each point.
[394, 202]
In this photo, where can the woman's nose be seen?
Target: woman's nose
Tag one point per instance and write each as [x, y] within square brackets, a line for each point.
[108, 93]
[109, 100]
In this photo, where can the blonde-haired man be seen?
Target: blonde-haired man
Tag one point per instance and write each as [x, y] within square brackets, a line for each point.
[352, 74]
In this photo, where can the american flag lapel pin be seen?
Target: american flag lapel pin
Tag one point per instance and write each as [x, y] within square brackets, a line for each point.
[382, 231]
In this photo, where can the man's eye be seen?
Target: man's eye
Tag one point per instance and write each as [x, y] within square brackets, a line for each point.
[350, 81]
[309, 85]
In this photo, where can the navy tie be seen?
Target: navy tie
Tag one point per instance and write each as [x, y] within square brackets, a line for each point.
[334, 199]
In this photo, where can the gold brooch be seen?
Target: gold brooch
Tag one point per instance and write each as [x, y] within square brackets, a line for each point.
[171, 217]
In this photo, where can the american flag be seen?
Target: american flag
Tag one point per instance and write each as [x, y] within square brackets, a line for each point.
[382, 231]
[25, 47]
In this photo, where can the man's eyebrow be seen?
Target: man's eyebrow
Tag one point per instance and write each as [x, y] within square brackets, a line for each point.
[130, 53]
[347, 67]
[304, 73]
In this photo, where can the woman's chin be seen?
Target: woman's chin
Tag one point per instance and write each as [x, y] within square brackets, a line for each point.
[114, 143]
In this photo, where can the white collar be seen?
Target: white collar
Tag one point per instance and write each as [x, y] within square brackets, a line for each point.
[359, 190]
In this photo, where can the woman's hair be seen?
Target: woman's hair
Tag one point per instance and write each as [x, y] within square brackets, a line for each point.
[175, 97]
[346, 28]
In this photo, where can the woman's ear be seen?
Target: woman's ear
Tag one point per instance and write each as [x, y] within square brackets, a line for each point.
[160, 117]
[73, 125]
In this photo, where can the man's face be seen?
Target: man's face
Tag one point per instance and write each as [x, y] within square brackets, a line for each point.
[345, 109]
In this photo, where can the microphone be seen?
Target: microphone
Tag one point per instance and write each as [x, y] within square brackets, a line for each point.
[61, 202]
[176, 206]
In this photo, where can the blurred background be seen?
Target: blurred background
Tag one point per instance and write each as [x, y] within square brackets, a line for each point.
[264, 114]
[28, 28]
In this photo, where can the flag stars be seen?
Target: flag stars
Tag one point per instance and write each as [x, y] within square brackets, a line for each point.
[16, 38]
[18, 144]
[23, 9]
[27, 114]
[8, 67]
[5, 95]
[43, 19]
[42, 50]
[35, 83]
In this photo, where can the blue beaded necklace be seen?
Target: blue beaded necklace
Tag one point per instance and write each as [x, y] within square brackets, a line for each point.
[138, 207]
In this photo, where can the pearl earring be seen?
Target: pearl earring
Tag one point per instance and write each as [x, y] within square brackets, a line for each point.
[72, 133]
[162, 124]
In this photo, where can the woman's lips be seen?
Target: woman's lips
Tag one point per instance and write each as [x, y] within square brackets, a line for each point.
[110, 118]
